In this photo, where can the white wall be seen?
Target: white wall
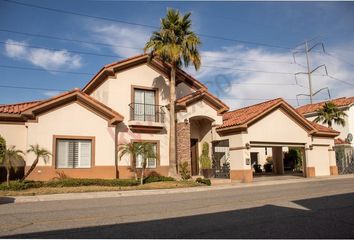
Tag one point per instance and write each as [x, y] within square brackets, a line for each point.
[15, 135]
[73, 120]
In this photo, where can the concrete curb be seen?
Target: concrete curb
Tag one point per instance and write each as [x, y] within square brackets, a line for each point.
[131, 193]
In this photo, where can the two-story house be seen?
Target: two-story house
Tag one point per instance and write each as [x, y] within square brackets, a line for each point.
[128, 101]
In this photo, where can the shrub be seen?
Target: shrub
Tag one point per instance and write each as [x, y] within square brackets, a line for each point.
[205, 181]
[204, 158]
[18, 185]
[72, 182]
[184, 170]
[157, 178]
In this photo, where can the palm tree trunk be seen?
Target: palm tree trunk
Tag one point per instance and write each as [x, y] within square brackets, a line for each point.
[172, 150]
[142, 172]
[34, 164]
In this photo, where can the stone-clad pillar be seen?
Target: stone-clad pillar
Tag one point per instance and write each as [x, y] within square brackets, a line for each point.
[183, 143]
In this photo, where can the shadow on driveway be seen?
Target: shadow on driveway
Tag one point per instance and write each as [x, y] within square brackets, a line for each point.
[323, 217]
[6, 200]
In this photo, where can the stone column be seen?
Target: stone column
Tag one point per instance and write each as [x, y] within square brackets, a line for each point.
[183, 143]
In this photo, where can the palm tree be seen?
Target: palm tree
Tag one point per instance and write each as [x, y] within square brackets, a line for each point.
[144, 149]
[130, 149]
[40, 153]
[330, 113]
[176, 44]
[11, 160]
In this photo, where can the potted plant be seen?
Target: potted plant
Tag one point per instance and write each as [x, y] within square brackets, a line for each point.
[257, 168]
[205, 162]
[268, 166]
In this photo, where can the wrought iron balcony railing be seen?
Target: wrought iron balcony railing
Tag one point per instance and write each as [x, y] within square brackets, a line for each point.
[146, 112]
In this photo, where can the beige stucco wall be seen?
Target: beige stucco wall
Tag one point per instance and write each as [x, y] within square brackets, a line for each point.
[277, 127]
[200, 109]
[15, 135]
[73, 120]
[115, 92]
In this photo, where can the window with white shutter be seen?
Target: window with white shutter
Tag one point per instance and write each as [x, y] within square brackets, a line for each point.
[73, 153]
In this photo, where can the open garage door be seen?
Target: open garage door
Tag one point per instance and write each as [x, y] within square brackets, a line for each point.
[269, 158]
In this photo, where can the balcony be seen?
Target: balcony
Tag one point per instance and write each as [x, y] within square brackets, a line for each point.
[146, 117]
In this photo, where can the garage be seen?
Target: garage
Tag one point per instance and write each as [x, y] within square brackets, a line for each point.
[274, 128]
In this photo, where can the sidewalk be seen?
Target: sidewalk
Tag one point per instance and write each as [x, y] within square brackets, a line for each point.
[93, 195]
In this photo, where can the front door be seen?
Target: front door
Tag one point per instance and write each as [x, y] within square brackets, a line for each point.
[194, 157]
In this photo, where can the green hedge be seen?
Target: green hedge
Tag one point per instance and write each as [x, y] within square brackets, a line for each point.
[205, 181]
[70, 182]
[154, 178]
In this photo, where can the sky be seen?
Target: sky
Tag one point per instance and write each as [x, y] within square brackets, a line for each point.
[247, 47]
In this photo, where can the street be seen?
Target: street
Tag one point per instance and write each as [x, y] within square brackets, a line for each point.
[317, 209]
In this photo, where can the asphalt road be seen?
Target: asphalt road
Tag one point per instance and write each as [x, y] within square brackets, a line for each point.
[321, 209]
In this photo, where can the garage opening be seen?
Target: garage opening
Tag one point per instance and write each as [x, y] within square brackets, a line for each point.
[277, 159]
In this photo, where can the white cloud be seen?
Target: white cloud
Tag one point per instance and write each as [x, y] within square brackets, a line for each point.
[131, 39]
[50, 93]
[43, 58]
[232, 85]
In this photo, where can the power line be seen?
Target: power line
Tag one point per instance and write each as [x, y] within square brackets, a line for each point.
[44, 70]
[67, 39]
[142, 25]
[56, 49]
[246, 70]
[119, 57]
[33, 88]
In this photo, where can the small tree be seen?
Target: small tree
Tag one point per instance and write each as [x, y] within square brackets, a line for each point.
[204, 158]
[2, 149]
[11, 160]
[40, 153]
[144, 149]
[147, 151]
[330, 113]
[184, 170]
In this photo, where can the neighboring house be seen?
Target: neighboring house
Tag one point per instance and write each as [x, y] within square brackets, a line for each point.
[344, 103]
[128, 101]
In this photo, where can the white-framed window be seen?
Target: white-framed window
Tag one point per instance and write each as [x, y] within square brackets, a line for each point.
[144, 105]
[73, 153]
[150, 163]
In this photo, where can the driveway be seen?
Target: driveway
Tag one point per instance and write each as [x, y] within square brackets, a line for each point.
[314, 209]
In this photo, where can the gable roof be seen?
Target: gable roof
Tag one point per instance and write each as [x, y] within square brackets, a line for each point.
[242, 118]
[202, 94]
[30, 110]
[311, 108]
[17, 108]
[160, 66]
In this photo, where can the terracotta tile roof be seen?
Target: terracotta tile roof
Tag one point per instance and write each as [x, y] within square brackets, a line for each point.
[340, 102]
[339, 141]
[243, 115]
[26, 107]
[17, 108]
[322, 128]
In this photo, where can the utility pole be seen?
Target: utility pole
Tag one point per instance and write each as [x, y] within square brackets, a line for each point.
[307, 51]
[308, 69]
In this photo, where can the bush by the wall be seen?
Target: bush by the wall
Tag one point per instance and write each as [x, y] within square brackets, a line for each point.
[69, 182]
[205, 181]
[184, 170]
[155, 178]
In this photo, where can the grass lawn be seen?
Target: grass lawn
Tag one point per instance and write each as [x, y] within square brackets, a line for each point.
[95, 188]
